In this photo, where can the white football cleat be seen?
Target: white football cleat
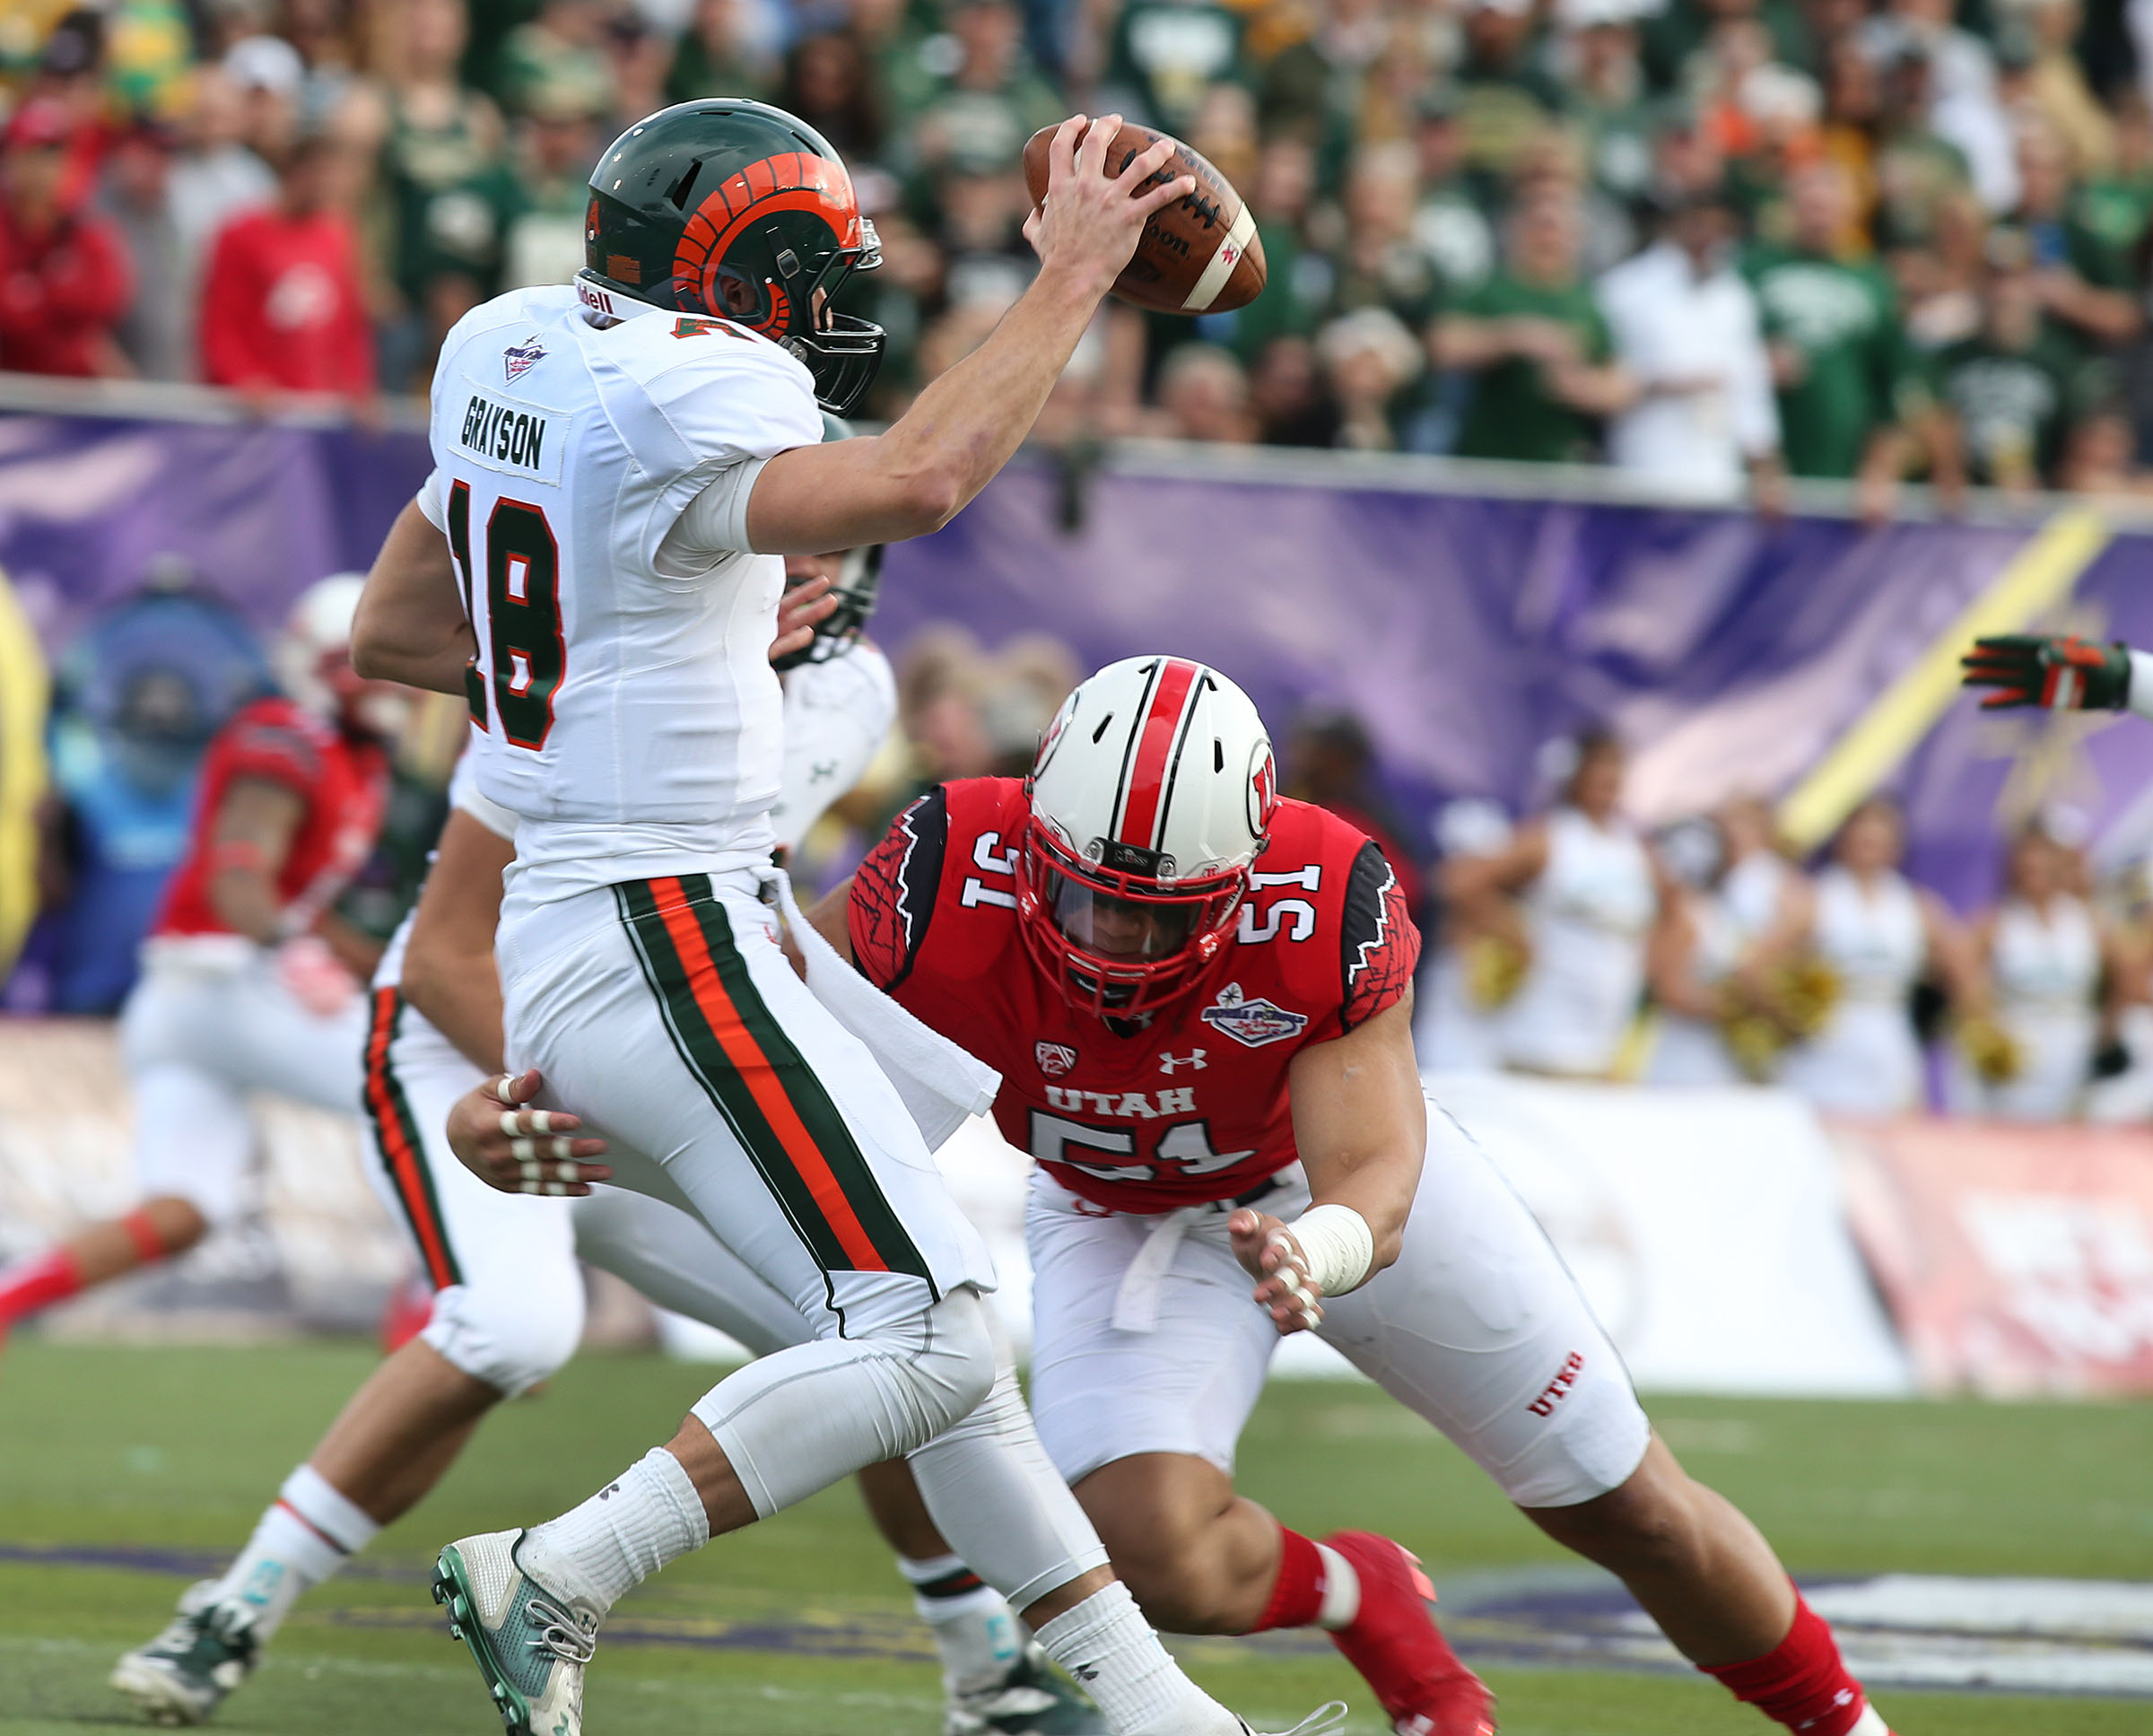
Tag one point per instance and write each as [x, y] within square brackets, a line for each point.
[1327, 1720]
[205, 1651]
[530, 1646]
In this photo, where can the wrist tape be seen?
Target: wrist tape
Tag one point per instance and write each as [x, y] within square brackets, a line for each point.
[1337, 1245]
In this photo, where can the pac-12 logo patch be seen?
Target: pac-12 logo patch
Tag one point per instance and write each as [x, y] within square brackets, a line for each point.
[519, 359]
[1250, 1022]
[1054, 1059]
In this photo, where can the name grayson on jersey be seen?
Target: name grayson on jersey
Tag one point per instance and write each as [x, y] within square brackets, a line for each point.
[1186, 1106]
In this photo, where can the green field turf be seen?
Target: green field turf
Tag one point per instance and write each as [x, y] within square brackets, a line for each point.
[117, 1449]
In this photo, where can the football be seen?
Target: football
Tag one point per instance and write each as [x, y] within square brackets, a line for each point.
[1200, 255]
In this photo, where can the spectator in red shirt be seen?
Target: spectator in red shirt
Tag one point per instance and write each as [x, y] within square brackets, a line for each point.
[283, 306]
[65, 279]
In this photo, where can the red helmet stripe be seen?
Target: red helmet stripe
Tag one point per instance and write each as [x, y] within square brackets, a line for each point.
[1172, 693]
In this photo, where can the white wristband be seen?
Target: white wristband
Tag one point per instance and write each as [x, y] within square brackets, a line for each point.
[1337, 1245]
[2140, 696]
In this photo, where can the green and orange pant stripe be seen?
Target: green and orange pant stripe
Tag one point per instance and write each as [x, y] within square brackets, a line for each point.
[402, 1151]
[757, 1079]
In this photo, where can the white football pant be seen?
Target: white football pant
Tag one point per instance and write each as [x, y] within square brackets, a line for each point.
[938, 1381]
[206, 1026]
[1146, 1340]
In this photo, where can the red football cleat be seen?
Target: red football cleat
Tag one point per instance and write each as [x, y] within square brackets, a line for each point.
[1400, 1653]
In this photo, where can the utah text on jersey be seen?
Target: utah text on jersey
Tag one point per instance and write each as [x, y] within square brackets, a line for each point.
[1323, 944]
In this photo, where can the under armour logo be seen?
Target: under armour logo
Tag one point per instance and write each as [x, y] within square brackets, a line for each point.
[1194, 1058]
[1085, 1672]
[609, 1491]
[820, 770]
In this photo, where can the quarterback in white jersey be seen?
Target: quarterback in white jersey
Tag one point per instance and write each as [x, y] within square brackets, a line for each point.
[619, 465]
[509, 1297]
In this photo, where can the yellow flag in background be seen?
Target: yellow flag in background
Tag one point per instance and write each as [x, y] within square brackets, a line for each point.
[25, 688]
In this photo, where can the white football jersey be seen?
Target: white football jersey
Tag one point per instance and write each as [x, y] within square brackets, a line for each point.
[624, 706]
[837, 715]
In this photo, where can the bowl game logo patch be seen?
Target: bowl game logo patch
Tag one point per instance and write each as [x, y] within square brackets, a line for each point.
[519, 359]
[1251, 1022]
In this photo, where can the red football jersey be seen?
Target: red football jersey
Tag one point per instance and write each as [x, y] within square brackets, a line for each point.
[1144, 1115]
[344, 780]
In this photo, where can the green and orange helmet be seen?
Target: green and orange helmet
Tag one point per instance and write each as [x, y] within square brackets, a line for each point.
[736, 210]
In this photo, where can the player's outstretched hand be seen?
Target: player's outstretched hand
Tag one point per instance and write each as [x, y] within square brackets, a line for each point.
[1089, 221]
[799, 611]
[2059, 671]
[1267, 1249]
[518, 1149]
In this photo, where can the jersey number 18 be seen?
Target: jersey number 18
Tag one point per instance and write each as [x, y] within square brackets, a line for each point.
[524, 654]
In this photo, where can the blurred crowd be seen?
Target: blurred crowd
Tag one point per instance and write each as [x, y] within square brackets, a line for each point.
[1570, 945]
[1710, 242]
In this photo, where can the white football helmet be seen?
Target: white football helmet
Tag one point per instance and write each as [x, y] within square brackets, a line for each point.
[312, 658]
[316, 636]
[1151, 796]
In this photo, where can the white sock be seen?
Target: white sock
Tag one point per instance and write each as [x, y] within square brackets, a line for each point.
[1105, 1642]
[975, 1633]
[1869, 1723]
[1341, 1592]
[625, 1533]
[303, 1537]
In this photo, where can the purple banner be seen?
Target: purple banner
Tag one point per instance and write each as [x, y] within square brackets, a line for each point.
[1466, 631]
[91, 507]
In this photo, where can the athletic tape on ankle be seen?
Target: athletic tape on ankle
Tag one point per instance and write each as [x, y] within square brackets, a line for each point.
[326, 1510]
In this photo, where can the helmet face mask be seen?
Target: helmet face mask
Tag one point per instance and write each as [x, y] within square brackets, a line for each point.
[1151, 799]
[1120, 943]
[855, 589]
[738, 211]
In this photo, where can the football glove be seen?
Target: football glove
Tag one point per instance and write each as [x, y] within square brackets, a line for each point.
[2061, 672]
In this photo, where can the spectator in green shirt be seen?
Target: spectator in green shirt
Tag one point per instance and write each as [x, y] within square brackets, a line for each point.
[1533, 339]
[1505, 99]
[562, 48]
[1165, 54]
[2015, 387]
[991, 101]
[447, 190]
[1847, 378]
[715, 57]
[2085, 283]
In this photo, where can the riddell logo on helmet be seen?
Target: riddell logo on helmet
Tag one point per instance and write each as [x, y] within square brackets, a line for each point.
[1133, 858]
[1055, 1058]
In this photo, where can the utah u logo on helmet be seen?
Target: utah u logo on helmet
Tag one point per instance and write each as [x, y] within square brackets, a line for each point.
[1151, 798]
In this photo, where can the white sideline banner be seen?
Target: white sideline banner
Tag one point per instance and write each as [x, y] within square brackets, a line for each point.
[1705, 1226]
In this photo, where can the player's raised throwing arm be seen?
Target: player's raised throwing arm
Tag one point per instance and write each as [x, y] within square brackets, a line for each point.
[964, 427]
[1361, 1124]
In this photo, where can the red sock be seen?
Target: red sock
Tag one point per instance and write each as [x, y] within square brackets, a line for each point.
[36, 1283]
[142, 1231]
[1803, 1683]
[1298, 1599]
